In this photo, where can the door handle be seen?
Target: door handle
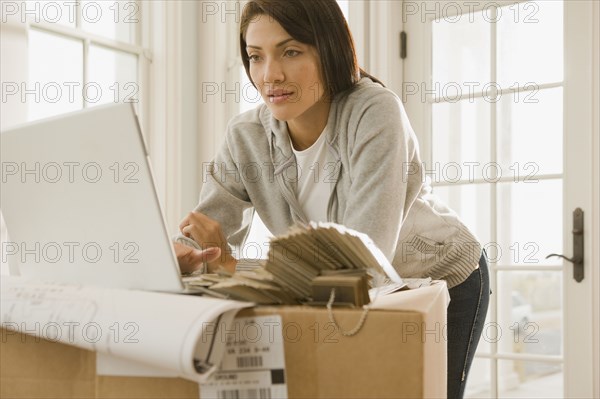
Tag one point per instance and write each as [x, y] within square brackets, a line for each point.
[577, 259]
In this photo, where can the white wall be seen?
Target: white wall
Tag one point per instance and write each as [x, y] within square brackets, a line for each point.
[13, 69]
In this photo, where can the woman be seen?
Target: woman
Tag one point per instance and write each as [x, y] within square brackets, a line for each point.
[332, 144]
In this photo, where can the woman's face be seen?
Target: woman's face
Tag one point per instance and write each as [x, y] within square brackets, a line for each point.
[285, 71]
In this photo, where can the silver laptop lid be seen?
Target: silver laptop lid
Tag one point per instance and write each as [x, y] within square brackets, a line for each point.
[80, 203]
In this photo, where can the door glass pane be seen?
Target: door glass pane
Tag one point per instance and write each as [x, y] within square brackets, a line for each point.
[461, 141]
[521, 379]
[478, 382]
[55, 75]
[529, 222]
[530, 43]
[115, 19]
[112, 77]
[530, 133]
[472, 203]
[530, 312]
[460, 52]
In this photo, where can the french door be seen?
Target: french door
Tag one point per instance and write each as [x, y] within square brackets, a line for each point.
[499, 94]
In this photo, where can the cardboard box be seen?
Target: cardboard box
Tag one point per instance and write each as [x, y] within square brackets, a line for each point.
[400, 352]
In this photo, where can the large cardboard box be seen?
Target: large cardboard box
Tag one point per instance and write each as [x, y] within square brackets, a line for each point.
[399, 352]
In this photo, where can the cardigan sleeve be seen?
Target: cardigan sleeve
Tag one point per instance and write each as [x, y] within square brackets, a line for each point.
[224, 198]
[384, 168]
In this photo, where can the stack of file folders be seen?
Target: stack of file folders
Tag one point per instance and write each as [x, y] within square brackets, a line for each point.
[300, 264]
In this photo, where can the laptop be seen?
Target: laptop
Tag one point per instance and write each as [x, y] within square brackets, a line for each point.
[80, 203]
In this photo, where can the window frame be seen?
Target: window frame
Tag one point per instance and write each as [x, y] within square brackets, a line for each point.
[140, 49]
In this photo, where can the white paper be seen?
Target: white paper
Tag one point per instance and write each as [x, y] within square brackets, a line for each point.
[166, 331]
[116, 366]
[253, 365]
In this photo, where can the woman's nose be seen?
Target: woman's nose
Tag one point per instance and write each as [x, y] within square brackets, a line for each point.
[273, 72]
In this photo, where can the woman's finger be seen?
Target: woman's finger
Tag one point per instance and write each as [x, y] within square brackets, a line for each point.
[187, 230]
[210, 254]
[184, 222]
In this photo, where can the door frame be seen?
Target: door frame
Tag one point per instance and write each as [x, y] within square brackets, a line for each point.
[578, 117]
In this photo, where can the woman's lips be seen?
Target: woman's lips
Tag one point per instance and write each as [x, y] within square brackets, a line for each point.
[279, 98]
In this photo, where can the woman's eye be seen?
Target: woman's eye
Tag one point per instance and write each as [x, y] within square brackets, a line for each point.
[253, 58]
[291, 53]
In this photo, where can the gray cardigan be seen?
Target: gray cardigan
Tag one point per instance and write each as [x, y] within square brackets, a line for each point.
[379, 184]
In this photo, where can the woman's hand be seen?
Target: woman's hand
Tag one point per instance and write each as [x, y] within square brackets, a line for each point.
[208, 234]
[191, 259]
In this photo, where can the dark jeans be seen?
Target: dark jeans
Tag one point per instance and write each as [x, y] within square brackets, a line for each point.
[466, 316]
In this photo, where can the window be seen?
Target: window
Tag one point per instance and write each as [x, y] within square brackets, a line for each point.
[82, 54]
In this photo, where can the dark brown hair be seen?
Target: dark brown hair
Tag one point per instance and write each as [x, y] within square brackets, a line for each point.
[319, 23]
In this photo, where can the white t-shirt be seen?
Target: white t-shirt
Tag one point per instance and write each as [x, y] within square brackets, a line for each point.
[314, 187]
